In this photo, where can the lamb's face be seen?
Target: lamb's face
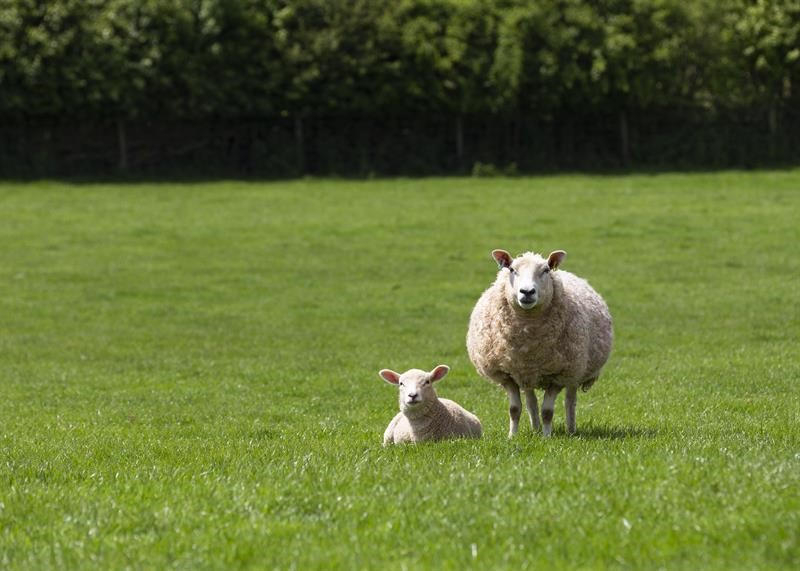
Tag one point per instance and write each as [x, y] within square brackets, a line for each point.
[529, 277]
[416, 386]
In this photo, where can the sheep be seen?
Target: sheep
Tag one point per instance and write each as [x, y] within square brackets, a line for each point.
[423, 415]
[537, 327]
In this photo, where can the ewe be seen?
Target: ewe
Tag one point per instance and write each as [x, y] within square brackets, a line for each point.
[423, 415]
[538, 328]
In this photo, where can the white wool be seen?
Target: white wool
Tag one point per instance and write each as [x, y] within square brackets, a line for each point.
[537, 327]
[423, 415]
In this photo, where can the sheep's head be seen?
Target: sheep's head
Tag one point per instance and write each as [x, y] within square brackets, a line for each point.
[416, 386]
[528, 277]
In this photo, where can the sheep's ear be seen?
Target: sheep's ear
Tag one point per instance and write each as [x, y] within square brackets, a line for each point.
[556, 258]
[439, 373]
[502, 258]
[389, 376]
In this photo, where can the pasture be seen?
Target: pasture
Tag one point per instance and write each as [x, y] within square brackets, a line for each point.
[188, 375]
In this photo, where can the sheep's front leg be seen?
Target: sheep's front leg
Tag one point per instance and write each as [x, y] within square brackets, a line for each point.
[514, 408]
[548, 406]
[533, 409]
[570, 400]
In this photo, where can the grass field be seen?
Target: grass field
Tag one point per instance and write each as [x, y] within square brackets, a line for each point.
[188, 375]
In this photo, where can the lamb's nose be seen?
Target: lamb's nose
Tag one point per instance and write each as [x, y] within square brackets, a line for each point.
[527, 292]
[412, 395]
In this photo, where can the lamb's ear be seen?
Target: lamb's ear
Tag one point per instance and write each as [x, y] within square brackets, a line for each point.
[389, 376]
[556, 258]
[502, 258]
[439, 373]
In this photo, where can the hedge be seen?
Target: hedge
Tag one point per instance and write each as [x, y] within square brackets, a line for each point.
[726, 65]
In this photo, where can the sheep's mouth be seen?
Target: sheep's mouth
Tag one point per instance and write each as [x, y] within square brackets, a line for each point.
[527, 302]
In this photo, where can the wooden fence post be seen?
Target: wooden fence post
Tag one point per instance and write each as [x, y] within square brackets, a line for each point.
[299, 145]
[624, 139]
[122, 143]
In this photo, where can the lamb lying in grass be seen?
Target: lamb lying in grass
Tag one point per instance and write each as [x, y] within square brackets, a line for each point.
[423, 415]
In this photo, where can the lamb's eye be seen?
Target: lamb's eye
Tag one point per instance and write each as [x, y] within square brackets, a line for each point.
[402, 384]
[546, 270]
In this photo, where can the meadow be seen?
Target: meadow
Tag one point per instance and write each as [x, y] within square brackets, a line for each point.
[188, 375]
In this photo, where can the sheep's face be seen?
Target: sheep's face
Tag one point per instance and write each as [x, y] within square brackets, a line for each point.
[416, 386]
[529, 277]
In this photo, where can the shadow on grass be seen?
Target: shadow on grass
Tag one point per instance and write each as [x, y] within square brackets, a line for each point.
[264, 434]
[594, 432]
[191, 175]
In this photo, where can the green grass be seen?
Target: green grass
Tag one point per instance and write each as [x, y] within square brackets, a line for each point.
[188, 375]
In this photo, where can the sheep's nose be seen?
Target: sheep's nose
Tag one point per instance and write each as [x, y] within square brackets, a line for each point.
[527, 292]
[412, 395]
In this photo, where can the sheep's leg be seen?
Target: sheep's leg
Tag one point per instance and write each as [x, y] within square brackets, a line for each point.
[570, 400]
[548, 406]
[533, 408]
[514, 408]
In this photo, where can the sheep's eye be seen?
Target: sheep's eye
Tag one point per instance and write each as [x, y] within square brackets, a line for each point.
[426, 383]
[512, 270]
[546, 270]
[402, 384]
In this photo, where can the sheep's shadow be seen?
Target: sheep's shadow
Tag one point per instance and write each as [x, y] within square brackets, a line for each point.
[264, 434]
[602, 432]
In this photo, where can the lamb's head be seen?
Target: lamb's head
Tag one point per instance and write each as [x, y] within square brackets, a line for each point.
[416, 386]
[528, 277]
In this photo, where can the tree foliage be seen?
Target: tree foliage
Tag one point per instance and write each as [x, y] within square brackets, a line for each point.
[200, 58]
[539, 61]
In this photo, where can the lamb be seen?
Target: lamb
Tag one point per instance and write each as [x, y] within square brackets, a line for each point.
[423, 415]
[538, 327]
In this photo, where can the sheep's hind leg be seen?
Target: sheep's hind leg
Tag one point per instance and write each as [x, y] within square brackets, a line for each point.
[548, 406]
[514, 408]
[570, 400]
[533, 409]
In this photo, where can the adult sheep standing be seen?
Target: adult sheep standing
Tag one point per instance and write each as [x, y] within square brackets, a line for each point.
[538, 328]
